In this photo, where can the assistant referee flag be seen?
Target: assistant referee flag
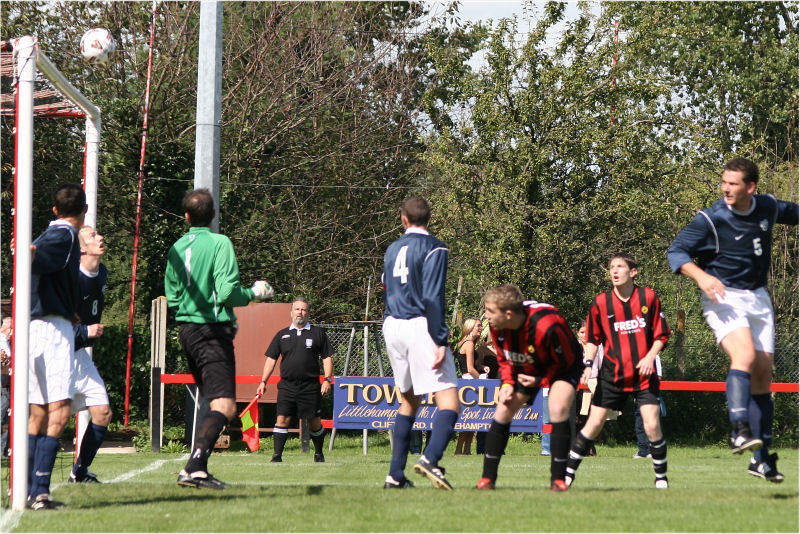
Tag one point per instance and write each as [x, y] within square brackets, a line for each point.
[249, 419]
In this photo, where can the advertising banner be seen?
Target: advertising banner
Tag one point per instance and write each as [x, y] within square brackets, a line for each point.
[370, 402]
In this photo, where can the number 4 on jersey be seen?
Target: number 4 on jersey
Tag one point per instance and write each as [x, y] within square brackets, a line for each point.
[400, 268]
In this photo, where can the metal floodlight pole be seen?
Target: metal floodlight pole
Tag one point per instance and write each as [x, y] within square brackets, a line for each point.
[209, 103]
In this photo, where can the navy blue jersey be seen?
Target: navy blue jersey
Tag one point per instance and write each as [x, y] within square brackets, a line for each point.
[733, 246]
[414, 273]
[93, 288]
[54, 272]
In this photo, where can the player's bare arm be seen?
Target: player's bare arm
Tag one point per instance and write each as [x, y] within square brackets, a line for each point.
[529, 381]
[589, 354]
[505, 394]
[327, 368]
[269, 365]
[95, 330]
[710, 285]
[438, 357]
[647, 365]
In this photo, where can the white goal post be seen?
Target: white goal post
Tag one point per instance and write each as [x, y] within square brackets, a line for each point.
[28, 60]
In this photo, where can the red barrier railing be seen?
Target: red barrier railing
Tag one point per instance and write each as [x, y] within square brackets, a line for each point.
[666, 385]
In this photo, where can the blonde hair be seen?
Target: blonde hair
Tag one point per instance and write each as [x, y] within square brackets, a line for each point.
[506, 297]
[466, 330]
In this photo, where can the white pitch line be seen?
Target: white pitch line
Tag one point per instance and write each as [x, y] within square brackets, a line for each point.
[10, 520]
[152, 467]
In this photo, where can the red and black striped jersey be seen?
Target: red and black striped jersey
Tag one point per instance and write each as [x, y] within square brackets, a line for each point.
[627, 331]
[542, 346]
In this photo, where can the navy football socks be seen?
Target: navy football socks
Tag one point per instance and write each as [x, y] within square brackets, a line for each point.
[737, 391]
[46, 451]
[92, 439]
[762, 413]
[443, 424]
[402, 432]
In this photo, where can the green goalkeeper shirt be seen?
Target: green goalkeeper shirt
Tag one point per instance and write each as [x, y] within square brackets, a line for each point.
[202, 278]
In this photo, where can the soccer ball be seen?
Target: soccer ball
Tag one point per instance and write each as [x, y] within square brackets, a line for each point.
[97, 45]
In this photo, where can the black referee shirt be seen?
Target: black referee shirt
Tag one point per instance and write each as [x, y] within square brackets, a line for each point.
[302, 350]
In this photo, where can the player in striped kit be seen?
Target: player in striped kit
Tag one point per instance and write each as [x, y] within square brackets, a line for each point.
[90, 390]
[414, 273]
[627, 320]
[535, 348]
[732, 241]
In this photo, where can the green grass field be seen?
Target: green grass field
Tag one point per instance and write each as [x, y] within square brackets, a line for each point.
[709, 492]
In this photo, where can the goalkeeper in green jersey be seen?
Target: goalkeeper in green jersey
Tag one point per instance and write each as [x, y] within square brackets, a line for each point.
[202, 286]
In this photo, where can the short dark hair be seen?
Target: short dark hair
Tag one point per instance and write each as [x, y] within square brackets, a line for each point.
[624, 256]
[69, 200]
[301, 299]
[748, 169]
[417, 210]
[199, 204]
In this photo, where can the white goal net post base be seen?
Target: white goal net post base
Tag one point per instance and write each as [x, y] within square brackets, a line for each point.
[27, 63]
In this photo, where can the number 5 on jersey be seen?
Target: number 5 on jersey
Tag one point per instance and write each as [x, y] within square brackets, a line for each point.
[400, 268]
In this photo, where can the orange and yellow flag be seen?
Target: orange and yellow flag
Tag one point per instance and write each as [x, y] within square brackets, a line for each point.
[249, 419]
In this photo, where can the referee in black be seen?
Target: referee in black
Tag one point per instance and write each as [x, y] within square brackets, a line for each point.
[299, 391]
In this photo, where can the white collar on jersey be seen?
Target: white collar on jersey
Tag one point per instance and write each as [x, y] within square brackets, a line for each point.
[746, 212]
[89, 273]
[306, 326]
[416, 230]
[61, 222]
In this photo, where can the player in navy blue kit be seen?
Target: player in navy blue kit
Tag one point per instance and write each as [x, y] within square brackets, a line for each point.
[732, 241]
[55, 296]
[414, 273]
[90, 390]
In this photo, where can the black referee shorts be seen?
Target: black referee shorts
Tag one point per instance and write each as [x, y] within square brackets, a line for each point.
[613, 398]
[299, 398]
[209, 350]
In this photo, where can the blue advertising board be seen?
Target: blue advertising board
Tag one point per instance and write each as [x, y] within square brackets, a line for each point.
[369, 402]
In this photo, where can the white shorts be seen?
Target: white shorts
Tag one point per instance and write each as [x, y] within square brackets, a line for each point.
[90, 390]
[411, 353]
[51, 360]
[743, 308]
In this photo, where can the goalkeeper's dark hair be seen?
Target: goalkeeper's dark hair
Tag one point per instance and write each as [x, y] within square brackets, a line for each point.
[417, 210]
[69, 200]
[199, 204]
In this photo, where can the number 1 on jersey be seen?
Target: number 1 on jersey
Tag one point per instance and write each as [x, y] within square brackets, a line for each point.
[187, 265]
[400, 268]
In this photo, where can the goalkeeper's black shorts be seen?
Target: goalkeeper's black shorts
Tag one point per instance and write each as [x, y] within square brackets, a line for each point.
[209, 350]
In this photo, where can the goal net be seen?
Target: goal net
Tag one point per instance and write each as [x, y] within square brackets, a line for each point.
[37, 89]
